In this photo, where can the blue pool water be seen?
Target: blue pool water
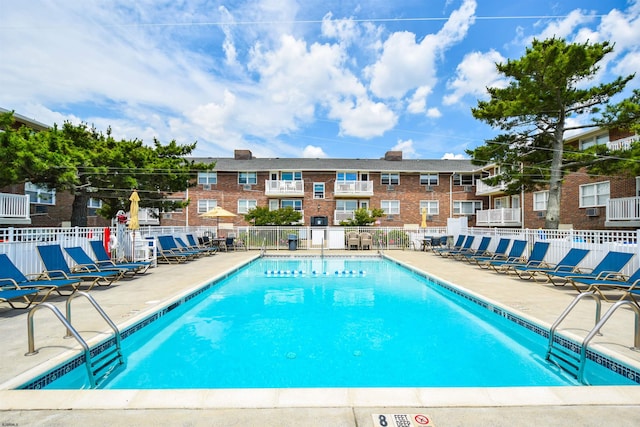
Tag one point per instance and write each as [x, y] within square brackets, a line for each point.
[332, 323]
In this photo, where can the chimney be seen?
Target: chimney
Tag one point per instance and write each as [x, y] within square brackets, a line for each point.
[242, 154]
[393, 155]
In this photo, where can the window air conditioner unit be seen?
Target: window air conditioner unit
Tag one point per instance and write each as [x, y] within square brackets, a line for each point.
[166, 216]
[593, 212]
[390, 187]
[246, 187]
[429, 188]
[541, 214]
[389, 217]
[468, 188]
[206, 186]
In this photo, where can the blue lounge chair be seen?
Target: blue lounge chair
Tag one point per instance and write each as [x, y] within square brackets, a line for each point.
[169, 252]
[183, 245]
[84, 261]
[499, 253]
[193, 242]
[612, 263]
[12, 277]
[481, 250]
[630, 286]
[514, 254]
[535, 259]
[456, 247]
[56, 267]
[104, 260]
[568, 263]
[10, 295]
[466, 247]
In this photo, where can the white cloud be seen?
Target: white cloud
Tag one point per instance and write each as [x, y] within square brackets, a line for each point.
[418, 102]
[454, 156]
[563, 28]
[311, 151]
[407, 148]
[474, 74]
[406, 64]
[434, 113]
[363, 118]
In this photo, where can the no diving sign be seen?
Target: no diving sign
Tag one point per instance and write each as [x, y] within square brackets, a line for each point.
[401, 420]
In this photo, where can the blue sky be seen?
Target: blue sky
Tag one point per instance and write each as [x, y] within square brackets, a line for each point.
[287, 78]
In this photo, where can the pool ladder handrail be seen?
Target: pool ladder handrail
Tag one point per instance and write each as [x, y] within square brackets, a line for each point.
[104, 360]
[567, 359]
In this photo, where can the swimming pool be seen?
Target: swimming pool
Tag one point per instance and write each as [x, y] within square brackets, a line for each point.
[333, 323]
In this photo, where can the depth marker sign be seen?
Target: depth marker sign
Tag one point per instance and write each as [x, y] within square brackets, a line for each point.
[402, 420]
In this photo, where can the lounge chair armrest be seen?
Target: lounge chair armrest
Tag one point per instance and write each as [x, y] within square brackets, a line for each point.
[605, 274]
[9, 281]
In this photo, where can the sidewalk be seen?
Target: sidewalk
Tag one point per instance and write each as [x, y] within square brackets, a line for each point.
[131, 300]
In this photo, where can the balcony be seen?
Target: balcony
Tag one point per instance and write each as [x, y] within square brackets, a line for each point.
[483, 189]
[280, 188]
[623, 144]
[353, 188]
[342, 216]
[623, 212]
[14, 209]
[504, 217]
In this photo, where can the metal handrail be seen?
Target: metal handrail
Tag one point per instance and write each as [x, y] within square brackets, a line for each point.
[565, 313]
[98, 309]
[70, 330]
[263, 248]
[600, 324]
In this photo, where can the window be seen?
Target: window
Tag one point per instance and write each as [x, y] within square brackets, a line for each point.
[468, 179]
[245, 205]
[429, 179]
[207, 178]
[295, 204]
[206, 205]
[318, 190]
[390, 178]
[291, 176]
[245, 178]
[346, 205]
[594, 140]
[596, 194]
[41, 195]
[466, 207]
[390, 207]
[540, 200]
[432, 207]
[94, 203]
[346, 176]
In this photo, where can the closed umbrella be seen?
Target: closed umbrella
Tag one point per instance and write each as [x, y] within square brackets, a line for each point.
[423, 224]
[134, 222]
[218, 213]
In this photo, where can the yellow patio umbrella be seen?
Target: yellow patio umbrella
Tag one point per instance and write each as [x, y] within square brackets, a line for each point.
[134, 222]
[423, 224]
[218, 213]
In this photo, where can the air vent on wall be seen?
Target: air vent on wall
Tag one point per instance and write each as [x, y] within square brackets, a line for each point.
[390, 187]
[246, 187]
[468, 188]
[593, 212]
[429, 188]
[206, 186]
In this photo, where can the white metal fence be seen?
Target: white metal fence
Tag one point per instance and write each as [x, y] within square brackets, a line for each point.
[20, 243]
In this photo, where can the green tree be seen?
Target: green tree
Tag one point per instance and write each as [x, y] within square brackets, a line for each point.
[90, 164]
[547, 86]
[261, 215]
[364, 217]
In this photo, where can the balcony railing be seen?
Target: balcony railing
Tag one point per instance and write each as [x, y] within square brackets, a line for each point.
[503, 217]
[624, 143]
[276, 187]
[14, 209]
[483, 189]
[342, 216]
[353, 188]
[623, 209]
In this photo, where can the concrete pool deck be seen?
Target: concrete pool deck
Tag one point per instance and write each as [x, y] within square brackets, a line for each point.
[130, 300]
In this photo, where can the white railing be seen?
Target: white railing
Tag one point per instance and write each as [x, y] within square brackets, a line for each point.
[483, 188]
[277, 187]
[499, 217]
[353, 188]
[623, 209]
[624, 143]
[14, 206]
[339, 216]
